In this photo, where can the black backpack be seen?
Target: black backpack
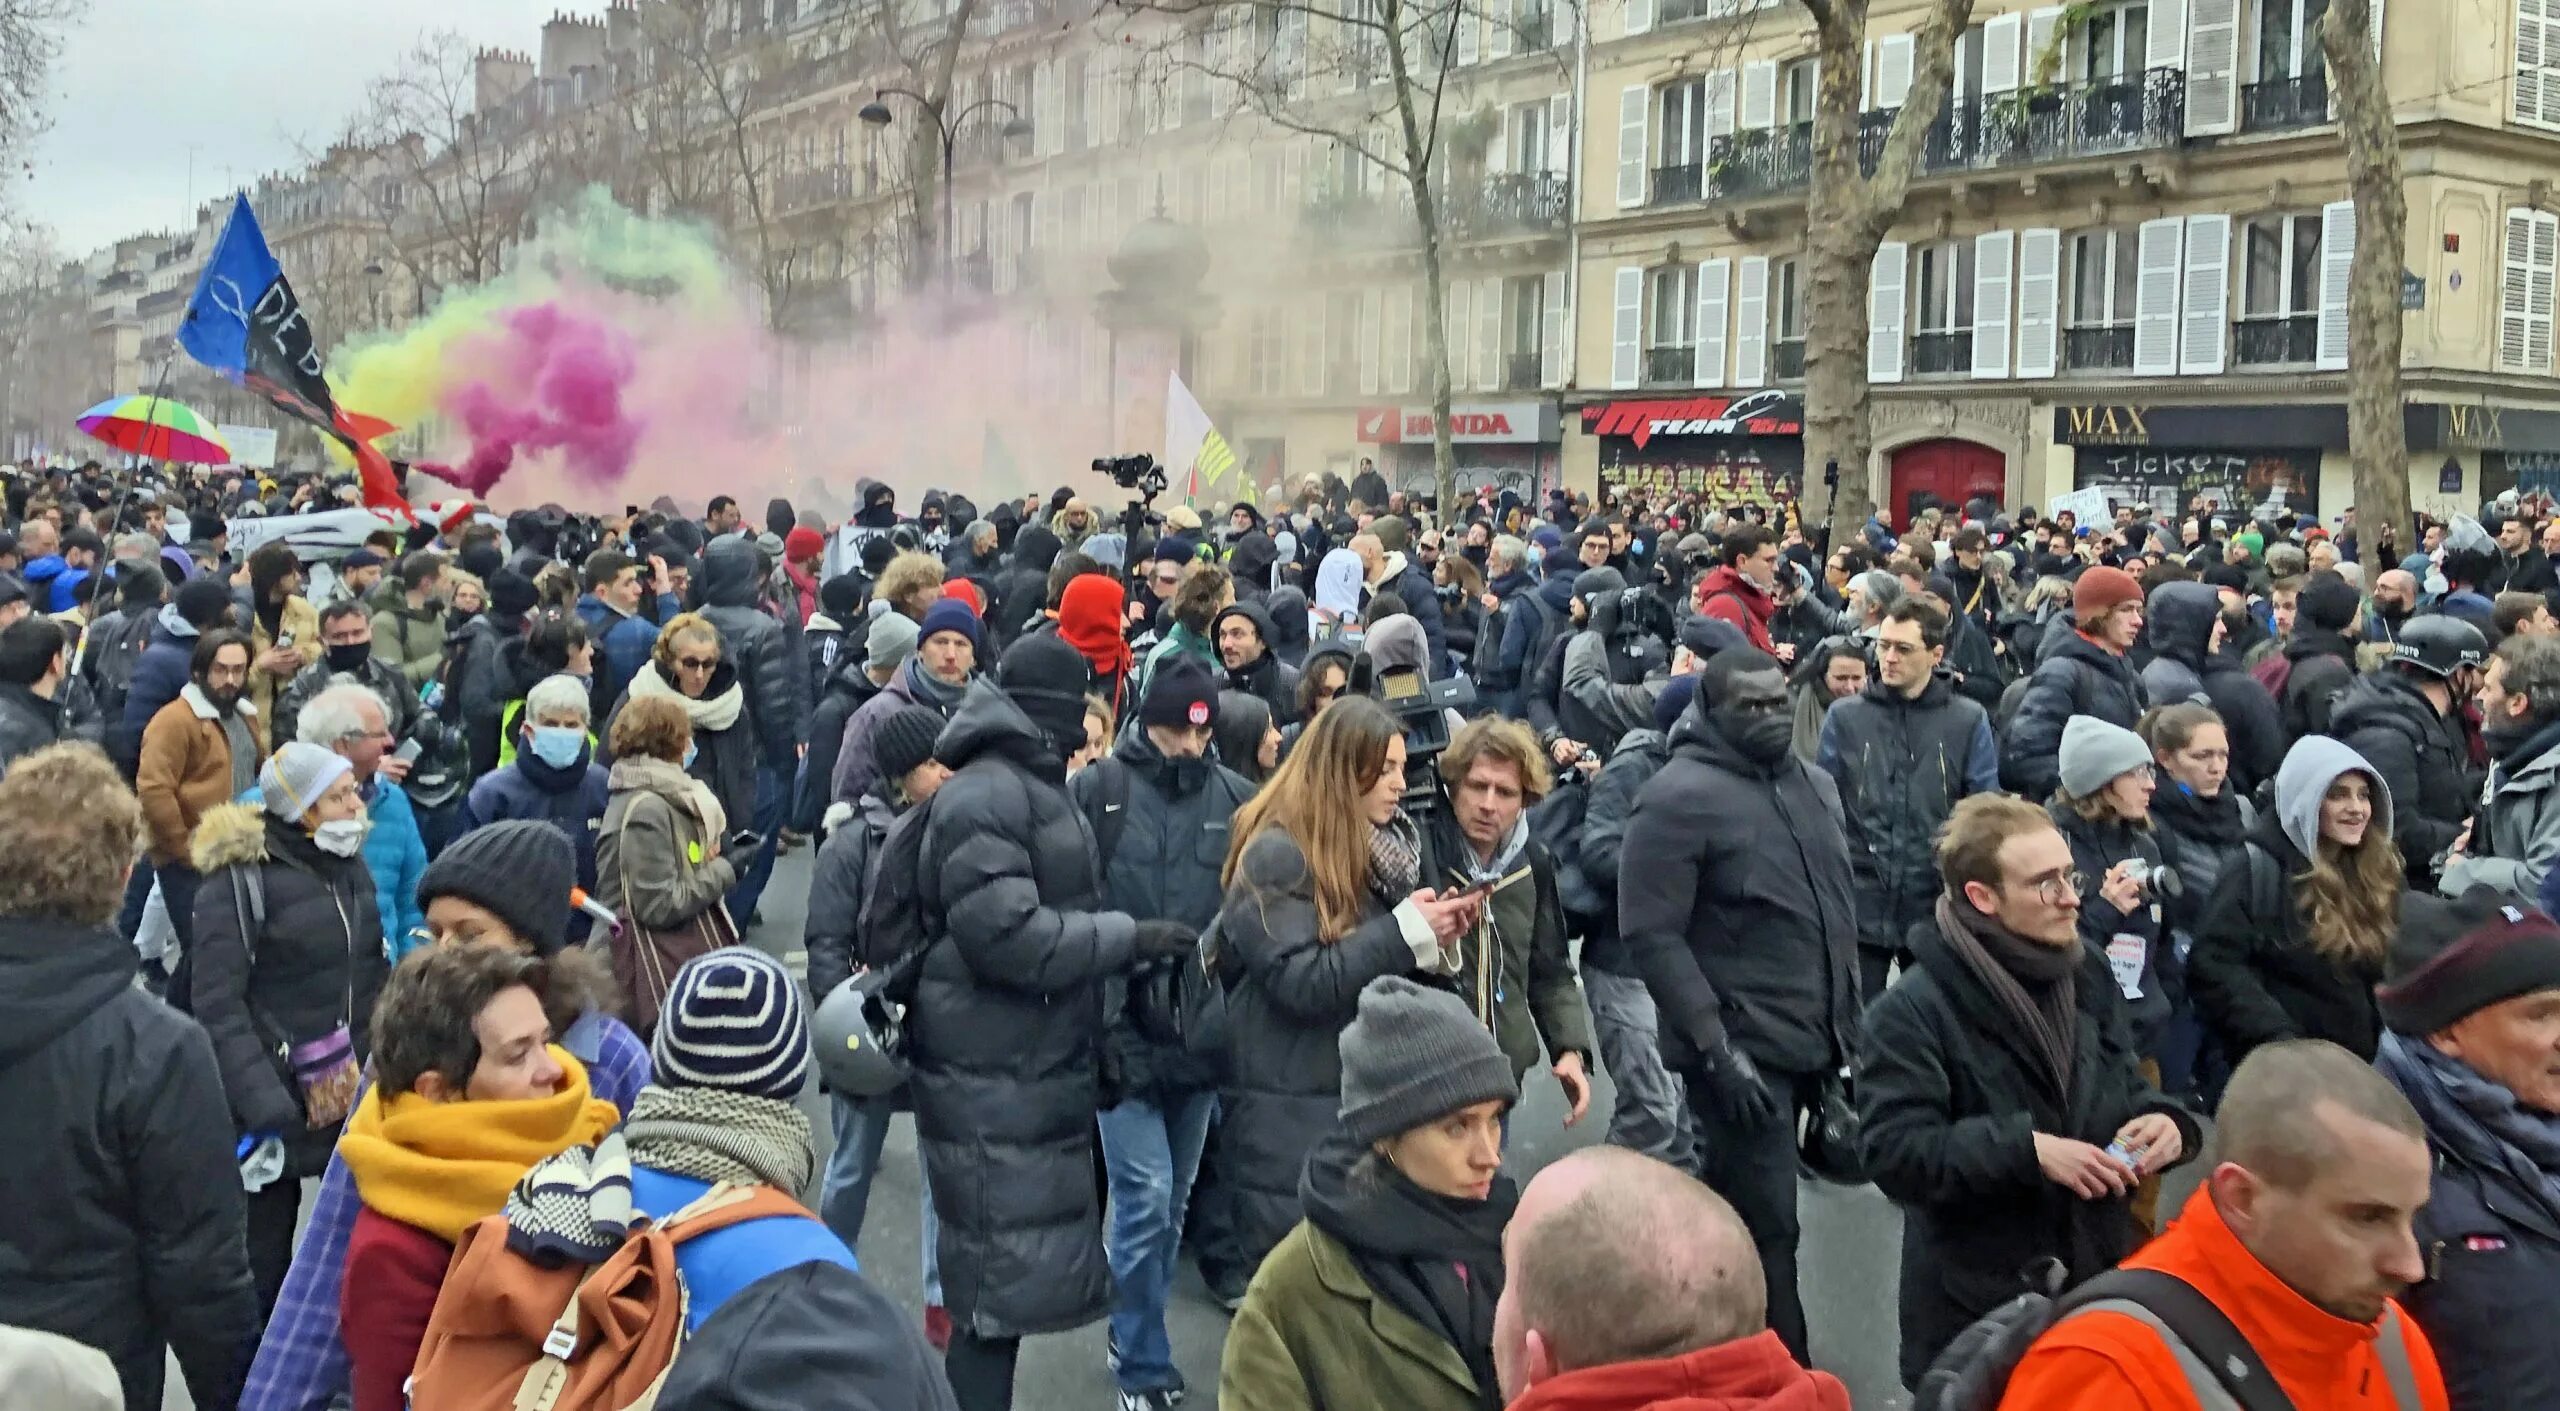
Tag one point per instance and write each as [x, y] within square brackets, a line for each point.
[108, 655]
[1555, 823]
[1973, 1373]
[899, 921]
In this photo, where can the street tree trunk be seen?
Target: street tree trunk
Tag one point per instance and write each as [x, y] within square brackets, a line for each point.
[1846, 217]
[1421, 137]
[2377, 437]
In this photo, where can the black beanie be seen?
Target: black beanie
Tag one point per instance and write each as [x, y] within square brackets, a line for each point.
[2328, 603]
[1047, 677]
[1179, 695]
[841, 597]
[905, 740]
[521, 871]
[2455, 958]
[202, 601]
[511, 594]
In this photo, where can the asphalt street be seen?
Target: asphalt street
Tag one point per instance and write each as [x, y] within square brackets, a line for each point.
[1847, 1268]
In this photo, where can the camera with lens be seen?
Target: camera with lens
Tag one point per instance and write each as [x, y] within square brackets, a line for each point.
[1138, 472]
[1421, 706]
[2158, 879]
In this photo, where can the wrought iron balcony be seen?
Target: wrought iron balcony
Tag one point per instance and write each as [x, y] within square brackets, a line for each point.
[2058, 123]
[2098, 348]
[2281, 104]
[1512, 202]
[2274, 342]
[1949, 350]
[1673, 366]
[813, 187]
[1786, 360]
[1761, 162]
[1675, 184]
[1520, 372]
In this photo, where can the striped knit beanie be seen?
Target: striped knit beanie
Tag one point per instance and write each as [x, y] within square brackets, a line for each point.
[733, 1021]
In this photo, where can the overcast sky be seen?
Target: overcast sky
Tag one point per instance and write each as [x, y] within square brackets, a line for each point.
[241, 81]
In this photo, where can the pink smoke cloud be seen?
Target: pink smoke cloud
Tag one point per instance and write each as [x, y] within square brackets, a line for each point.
[548, 379]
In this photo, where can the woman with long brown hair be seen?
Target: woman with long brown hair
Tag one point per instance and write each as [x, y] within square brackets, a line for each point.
[2294, 937]
[1323, 894]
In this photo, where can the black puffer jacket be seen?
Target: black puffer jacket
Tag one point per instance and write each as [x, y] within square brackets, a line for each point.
[2323, 668]
[1003, 1033]
[126, 1234]
[2423, 759]
[839, 881]
[1285, 1017]
[2202, 838]
[1023, 590]
[1268, 678]
[28, 722]
[1605, 812]
[846, 691]
[751, 638]
[1901, 765]
[1171, 819]
[2181, 629]
[2075, 676]
[2253, 975]
[313, 966]
[1735, 898]
[1950, 1097]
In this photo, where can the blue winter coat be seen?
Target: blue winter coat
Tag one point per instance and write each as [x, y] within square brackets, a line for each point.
[158, 676]
[622, 644]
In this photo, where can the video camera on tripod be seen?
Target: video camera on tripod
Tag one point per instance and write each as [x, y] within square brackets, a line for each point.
[1421, 705]
[1140, 474]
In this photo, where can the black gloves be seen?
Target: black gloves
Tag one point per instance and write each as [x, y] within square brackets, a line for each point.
[1735, 1086]
[1165, 940]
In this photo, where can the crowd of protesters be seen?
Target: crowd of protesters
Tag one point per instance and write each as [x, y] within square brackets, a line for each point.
[2004, 862]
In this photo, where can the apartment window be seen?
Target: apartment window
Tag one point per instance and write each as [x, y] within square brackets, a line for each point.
[1071, 115]
[2111, 42]
[1342, 336]
[2279, 290]
[1267, 353]
[1669, 356]
[1800, 83]
[1525, 136]
[2289, 38]
[2103, 274]
[1071, 214]
[2538, 63]
[1524, 303]
[1195, 76]
[1786, 320]
[1942, 295]
[1683, 123]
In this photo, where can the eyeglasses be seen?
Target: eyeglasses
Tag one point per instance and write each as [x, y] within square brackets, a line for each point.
[2062, 888]
[696, 663]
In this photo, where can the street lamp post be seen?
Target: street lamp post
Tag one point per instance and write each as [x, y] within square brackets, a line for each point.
[876, 113]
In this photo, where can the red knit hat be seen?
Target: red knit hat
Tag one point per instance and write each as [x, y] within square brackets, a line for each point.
[2099, 589]
[803, 543]
[967, 592]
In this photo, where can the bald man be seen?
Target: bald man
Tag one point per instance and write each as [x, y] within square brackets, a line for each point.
[1630, 1284]
[2395, 599]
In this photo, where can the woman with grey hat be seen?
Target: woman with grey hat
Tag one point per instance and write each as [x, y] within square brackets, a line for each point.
[1384, 1294]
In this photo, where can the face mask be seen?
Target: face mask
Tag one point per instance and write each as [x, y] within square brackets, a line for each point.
[350, 657]
[690, 751]
[560, 745]
[1760, 736]
[342, 837]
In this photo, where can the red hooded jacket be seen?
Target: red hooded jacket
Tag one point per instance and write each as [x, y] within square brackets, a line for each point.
[1726, 595]
[1755, 1374]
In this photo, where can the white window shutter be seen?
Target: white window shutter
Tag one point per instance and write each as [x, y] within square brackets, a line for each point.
[1634, 102]
[2000, 66]
[1639, 17]
[1560, 133]
[2204, 311]
[1562, 19]
[2337, 279]
[1751, 323]
[1887, 307]
[1867, 77]
[2039, 301]
[1467, 18]
[1715, 283]
[2155, 297]
[1991, 281]
[1721, 105]
[1498, 160]
[1626, 328]
[1894, 54]
[2537, 98]
[1395, 340]
[2043, 33]
[2213, 68]
[1458, 330]
[1365, 341]
[1551, 328]
[2164, 44]
[2525, 293]
[1489, 367]
[1311, 347]
[1498, 33]
[1759, 95]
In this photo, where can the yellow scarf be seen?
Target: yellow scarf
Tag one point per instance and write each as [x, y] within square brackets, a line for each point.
[442, 1166]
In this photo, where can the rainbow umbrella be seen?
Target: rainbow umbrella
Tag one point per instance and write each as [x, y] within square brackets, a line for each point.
[157, 428]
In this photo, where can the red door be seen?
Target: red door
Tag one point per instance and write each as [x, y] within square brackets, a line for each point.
[1946, 473]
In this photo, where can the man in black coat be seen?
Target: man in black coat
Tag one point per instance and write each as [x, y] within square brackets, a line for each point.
[127, 1232]
[2404, 719]
[1736, 903]
[2000, 1102]
[769, 666]
[2191, 659]
[2521, 566]
[1903, 752]
[2322, 651]
[32, 660]
[2081, 672]
[1243, 634]
[1008, 1016]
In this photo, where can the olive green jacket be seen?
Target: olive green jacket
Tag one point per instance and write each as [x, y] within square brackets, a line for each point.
[1313, 1336]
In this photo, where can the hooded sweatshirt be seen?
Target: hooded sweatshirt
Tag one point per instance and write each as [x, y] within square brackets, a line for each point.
[1752, 1374]
[2314, 764]
[1340, 580]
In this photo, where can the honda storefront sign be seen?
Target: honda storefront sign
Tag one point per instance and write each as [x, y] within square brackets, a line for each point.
[1733, 450]
[1509, 445]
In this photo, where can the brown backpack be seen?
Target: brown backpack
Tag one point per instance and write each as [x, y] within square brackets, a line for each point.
[508, 1334]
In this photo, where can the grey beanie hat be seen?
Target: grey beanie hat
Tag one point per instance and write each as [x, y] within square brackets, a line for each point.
[1413, 1054]
[1881, 589]
[2094, 752]
[891, 640]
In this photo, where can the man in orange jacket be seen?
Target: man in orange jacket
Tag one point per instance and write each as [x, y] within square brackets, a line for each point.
[2301, 1237]
[1630, 1286]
